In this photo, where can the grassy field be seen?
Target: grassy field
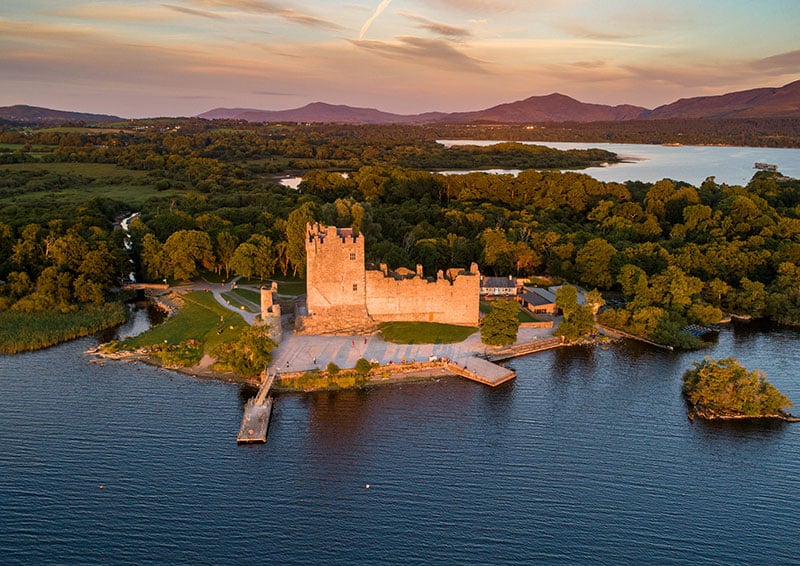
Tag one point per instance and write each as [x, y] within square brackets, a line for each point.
[234, 298]
[98, 180]
[290, 288]
[424, 332]
[199, 320]
[249, 295]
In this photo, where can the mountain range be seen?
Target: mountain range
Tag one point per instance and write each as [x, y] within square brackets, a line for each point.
[768, 102]
[22, 114]
[779, 102]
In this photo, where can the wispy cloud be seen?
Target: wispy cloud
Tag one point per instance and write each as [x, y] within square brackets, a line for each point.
[581, 31]
[424, 51]
[271, 8]
[484, 6]
[787, 62]
[195, 12]
[381, 7]
[446, 30]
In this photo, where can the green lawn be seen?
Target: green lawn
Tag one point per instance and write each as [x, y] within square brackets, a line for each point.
[248, 294]
[234, 298]
[198, 319]
[291, 288]
[424, 332]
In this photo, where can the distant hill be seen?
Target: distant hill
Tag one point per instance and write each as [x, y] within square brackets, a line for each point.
[21, 114]
[551, 108]
[783, 102]
[321, 112]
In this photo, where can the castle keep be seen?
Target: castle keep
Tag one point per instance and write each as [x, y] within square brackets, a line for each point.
[344, 295]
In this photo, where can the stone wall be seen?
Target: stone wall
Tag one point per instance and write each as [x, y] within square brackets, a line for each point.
[271, 312]
[452, 299]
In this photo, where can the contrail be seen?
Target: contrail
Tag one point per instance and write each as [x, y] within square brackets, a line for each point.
[377, 13]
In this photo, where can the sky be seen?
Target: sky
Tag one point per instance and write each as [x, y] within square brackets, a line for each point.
[144, 58]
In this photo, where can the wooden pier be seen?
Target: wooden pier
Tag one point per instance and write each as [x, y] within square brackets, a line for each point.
[478, 369]
[525, 349]
[255, 420]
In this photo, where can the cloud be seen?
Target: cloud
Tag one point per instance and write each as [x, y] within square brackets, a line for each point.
[195, 12]
[484, 6]
[430, 52]
[453, 32]
[785, 63]
[581, 31]
[271, 93]
[111, 13]
[381, 7]
[271, 8]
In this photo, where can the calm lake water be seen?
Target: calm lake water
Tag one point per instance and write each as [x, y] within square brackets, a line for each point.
[651, 163]
[587, 457]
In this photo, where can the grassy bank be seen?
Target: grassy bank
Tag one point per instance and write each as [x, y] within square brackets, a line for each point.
[20, 332]
[424, 332]
[199, 327]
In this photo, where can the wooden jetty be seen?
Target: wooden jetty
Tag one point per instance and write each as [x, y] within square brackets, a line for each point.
[525, 349]
[482, 371]
[255, 420]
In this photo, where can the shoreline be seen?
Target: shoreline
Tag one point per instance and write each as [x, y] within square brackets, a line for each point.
[710, 415]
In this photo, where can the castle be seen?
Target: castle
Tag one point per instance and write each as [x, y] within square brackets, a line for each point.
[344, 295]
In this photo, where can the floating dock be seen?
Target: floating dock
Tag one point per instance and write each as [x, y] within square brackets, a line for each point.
[255, 420]
[478, 369]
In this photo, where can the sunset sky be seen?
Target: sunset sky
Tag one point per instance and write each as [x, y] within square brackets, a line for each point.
[137, 58]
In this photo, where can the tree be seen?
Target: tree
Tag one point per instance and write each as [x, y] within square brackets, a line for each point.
[224, 250]
[726, 388]
[186, 251]
[579, 324]
[594, 263]
[153, 257]
[567, 300]
[595, 301]
[248, 354]
[296, 226]
[500, 326]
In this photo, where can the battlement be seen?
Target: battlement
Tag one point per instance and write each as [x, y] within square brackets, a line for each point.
[403, 273]
[320, 234]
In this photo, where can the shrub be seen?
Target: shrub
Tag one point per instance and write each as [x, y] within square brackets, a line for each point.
[332, 368]
[363, 367]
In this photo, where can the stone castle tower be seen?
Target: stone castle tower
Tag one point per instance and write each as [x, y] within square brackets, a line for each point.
[343, 295]
[336, 276]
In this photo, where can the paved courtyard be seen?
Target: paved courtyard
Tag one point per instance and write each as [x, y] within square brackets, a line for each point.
[299, 352]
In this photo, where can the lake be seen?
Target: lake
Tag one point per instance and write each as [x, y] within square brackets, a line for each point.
[587, 457]
[651, 163]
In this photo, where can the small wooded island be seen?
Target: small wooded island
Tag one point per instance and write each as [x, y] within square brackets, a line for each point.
[725, 389]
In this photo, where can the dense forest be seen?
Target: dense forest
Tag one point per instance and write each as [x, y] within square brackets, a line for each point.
[665, 254]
